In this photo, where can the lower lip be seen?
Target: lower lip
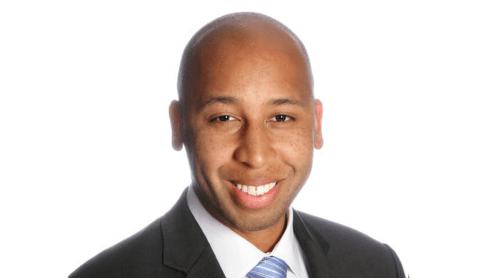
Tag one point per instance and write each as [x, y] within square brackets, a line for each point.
[256, 202]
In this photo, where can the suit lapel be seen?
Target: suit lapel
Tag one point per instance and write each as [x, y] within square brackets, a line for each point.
[185, 246]
[314, 246]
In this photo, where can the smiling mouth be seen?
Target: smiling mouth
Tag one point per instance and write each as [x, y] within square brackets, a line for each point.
[256, 190]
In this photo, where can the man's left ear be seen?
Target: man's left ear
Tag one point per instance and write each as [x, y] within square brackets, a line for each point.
[318, 141]
[176, 122]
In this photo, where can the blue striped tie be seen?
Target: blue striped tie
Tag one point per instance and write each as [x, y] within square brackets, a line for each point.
[269, 267]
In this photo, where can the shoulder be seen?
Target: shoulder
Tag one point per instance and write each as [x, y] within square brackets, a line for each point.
[137, 256]
[351, 251]
[336, 233]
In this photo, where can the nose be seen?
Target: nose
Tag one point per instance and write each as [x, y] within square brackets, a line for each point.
[255, 146]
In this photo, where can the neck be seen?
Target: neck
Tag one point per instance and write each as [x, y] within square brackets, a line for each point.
[265, 240]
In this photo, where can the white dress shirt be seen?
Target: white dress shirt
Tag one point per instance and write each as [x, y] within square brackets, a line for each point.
[236, 255]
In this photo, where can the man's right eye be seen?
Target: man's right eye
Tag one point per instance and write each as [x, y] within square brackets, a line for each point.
[222, 118]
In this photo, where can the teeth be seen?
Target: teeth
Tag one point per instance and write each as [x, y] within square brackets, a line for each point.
[256, 190]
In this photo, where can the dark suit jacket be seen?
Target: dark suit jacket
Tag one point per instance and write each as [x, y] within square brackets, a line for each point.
[174, 246]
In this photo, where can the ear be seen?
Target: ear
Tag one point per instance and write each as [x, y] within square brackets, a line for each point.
[176, 121]
[318, 141]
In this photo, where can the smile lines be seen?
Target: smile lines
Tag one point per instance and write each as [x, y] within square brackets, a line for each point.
[256, 190]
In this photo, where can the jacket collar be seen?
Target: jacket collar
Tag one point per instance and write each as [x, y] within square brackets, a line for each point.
[185, 248]
[315, 247]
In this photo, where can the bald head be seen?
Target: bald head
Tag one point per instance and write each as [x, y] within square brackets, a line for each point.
[240, 40]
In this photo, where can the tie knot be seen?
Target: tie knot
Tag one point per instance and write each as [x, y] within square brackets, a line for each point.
[269, 267]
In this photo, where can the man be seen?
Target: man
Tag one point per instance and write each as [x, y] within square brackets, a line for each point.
[249, 122]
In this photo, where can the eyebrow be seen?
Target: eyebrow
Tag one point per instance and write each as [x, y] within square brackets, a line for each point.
[285, 101]
[217, 99]
[231, 100]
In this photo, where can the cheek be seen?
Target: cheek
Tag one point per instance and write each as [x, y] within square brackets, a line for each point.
[211, 150]
[297, 145]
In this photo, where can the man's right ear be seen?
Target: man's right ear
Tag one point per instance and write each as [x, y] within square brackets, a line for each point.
[176, 121]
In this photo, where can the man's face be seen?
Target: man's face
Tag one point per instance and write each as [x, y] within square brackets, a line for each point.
[250, 130]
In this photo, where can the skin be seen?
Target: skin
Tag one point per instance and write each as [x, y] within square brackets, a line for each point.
[247, 116]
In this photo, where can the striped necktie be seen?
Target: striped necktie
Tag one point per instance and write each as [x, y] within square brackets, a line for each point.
[269, 267]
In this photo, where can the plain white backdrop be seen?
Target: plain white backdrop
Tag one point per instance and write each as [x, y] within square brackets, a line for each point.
[85, 143]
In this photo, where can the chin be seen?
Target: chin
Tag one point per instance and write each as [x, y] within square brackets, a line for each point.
[257, 221]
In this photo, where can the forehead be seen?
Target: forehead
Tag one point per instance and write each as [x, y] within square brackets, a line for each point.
[265, 65]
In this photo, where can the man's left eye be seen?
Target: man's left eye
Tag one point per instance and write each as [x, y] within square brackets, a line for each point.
[281, 118]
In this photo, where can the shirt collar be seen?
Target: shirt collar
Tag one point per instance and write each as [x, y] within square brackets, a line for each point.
[236, 255]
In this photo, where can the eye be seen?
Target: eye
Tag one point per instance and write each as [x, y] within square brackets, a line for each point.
[223, 118]
[281, 118]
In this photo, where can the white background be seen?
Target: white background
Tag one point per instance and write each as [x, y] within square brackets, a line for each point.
[85, 144]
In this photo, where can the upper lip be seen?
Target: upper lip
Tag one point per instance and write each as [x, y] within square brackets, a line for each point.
[255, 182]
